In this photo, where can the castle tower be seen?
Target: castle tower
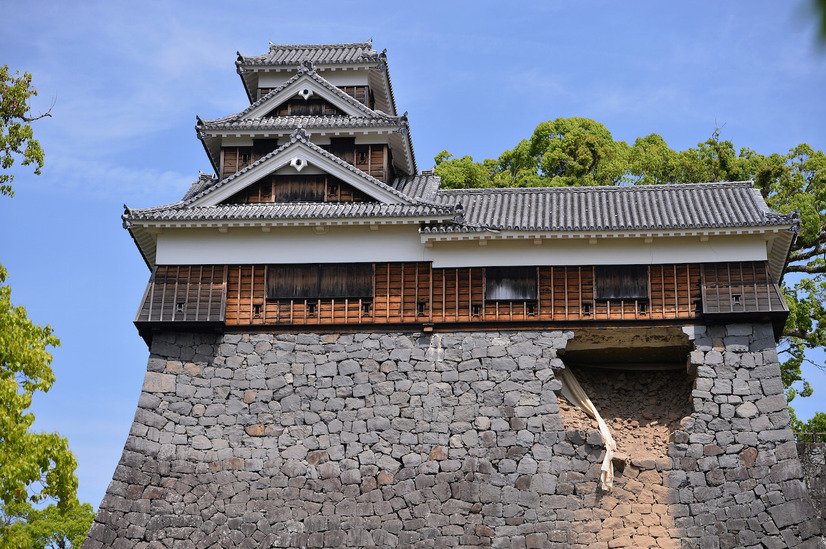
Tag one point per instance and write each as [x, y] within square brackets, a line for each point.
[343, 354]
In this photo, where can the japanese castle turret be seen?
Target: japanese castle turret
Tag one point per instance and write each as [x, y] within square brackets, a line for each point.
[344, 354]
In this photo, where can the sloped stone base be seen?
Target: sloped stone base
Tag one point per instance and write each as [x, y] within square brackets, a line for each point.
[444, 440]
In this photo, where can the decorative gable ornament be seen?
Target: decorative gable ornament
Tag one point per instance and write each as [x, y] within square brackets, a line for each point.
[300, 134]
[305, 93]
[298, 163]
[306, 66]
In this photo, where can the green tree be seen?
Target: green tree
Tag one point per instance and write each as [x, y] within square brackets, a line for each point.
[461, 173]
[579, 151]
[16, 135]
[34, 467]
[565, 151]
[50, 527]
[819, 11]
[651, 161]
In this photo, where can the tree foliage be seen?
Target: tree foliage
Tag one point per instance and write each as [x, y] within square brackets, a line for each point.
[53, 527]
[817, 424]
[16, 135]
[819, 11]
[579, 151]
[34, 466]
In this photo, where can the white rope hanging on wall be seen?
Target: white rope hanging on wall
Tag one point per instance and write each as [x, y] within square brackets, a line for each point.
[572, 390]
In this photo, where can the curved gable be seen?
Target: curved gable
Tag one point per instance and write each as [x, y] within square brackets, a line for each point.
[296, 156]
[305, 85]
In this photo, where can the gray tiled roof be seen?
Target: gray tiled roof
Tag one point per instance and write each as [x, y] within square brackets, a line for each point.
[421, 187]
[358, 105]
[204, 181]
[235, 122]
[296, 55]
[644, 207]
[370, 119]
[298, 135]
[288, 211]
[292, 54]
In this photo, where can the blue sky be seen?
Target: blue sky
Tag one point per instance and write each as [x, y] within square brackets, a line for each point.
[128, 79]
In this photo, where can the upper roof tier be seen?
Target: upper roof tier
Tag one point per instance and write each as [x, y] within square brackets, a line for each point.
[325, 58]
[325, 54]
[269, 118]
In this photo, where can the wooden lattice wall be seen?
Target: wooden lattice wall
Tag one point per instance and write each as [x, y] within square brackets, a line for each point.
[405, 293]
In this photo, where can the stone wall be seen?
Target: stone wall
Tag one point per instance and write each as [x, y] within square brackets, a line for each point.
[813, 458]
[444, 440]
[736, 469]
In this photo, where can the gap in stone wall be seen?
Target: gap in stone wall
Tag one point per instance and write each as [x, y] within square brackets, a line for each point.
[642, 408]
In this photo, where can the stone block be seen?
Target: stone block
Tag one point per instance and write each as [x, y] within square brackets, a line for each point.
[772, 403]
[746, 410]
[155, 382]
[791, 512]
[713, 358]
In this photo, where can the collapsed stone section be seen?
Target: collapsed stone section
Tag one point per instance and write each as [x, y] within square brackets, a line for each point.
[642, 408]
[445, 440]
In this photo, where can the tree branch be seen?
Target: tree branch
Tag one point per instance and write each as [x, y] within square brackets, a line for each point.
[43, 115]
[808, 269]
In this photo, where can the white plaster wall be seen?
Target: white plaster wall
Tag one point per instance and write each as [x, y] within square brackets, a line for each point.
[289, 245]
[604, 252]
[236, 141]
[336, 78]
[402, 243]
[273, 79]
[345, 78]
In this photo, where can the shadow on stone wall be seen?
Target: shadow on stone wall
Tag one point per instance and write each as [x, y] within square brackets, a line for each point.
[813, 458]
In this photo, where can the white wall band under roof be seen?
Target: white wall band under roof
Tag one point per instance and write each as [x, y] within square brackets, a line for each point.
[401, 243]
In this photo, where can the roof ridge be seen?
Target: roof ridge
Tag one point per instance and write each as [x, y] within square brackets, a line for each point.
[284, 54]
[284, 210]
[311, 73]
[368, 44]
[309, 118]
[601, 188]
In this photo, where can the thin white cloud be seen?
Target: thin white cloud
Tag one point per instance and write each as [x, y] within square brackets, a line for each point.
[100, 179]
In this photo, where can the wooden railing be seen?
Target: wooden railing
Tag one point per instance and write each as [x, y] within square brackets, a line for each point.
[740, 287]
[417, 293]
[184, 293]
[802, 437]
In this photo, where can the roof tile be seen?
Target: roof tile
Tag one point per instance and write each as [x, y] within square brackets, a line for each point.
[643, 207]
[288, 211]
[291, 54]
[307, 122]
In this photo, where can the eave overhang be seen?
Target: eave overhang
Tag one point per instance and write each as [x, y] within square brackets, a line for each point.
[145, 231]
[778, 238]
[212, 133]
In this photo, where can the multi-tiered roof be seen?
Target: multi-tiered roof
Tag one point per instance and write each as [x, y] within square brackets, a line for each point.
[322, 147]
